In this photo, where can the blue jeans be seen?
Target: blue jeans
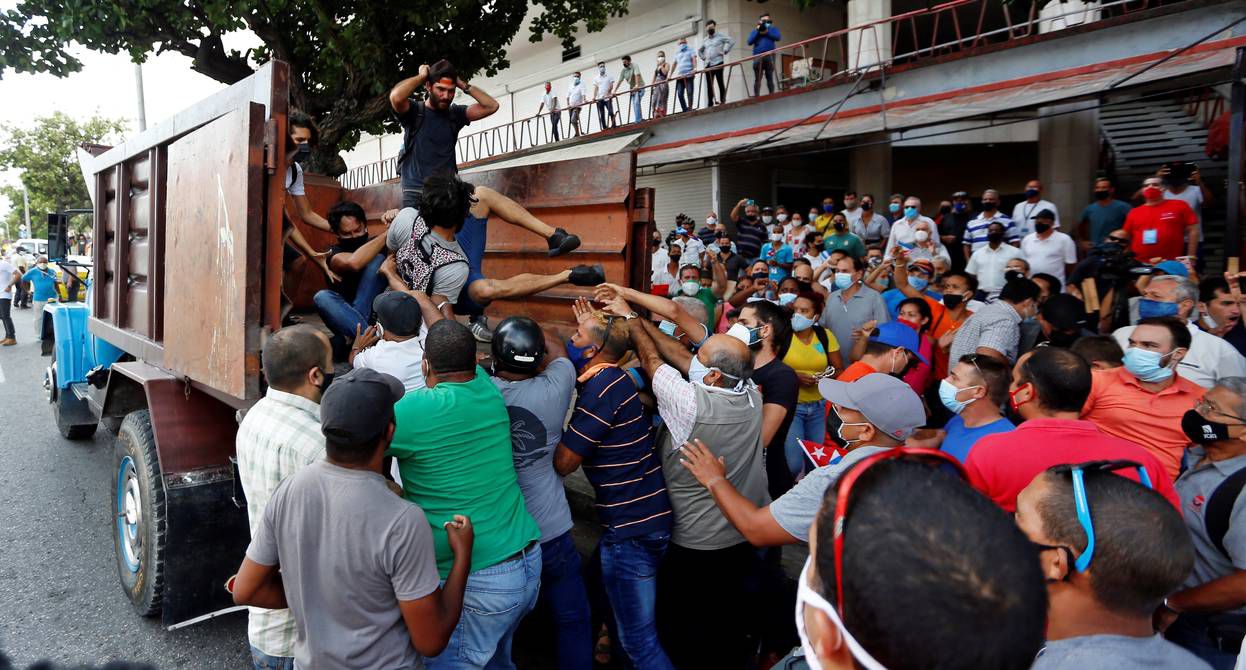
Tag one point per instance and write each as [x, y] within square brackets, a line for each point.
[1197, 633]
[629, 574]
[636, 97]
[496, 599]
[342, 316]
[562, 587]
[262, 661]
[471, 238]
[809, 423]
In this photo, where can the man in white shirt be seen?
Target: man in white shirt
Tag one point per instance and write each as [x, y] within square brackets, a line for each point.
[1210, 358]
[575, 102]
[549, 101]
[1024, 213]
[989, 262]
[9, 277]
[395, 345]
[603, 87]
[1049, 250]
[902, 230]
[1188, 187]
[852, 212]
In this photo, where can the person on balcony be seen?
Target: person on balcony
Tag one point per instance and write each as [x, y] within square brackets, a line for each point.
[575, 102]
[661, 90]
[713, 52]
[763, 39]
[685, 64]
[550, 101]
[603, 93]
[631, 76]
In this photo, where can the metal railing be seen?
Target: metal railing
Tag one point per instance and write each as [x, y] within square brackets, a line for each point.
[842, 55]
[1205, 105]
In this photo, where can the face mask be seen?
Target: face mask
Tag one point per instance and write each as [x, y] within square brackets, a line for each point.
[761, 276]
[767, 219]
[945, 209]
[1041, 226]
[952, 300]
[303, 152]
[850, 204]
[1102, 195]
[989, 205]
[919, 283]
[839, 432]
[751, 217]
[575, 80]
[1152, 193]
[786, 299]
[947, 395]
[1202, 430]
[683, 47]
[674, 258]
[807, 597]
[843, 280]
[749, 336]
[828, 208]
[867, 205]
[661, 59]
[42, 266]
[579, 355]
[994, 238]
[1147, 366]
[1012, 398]
[691, 287]
[1148, 308]
[711, 220]
[921, 235]
[1031, 192]
[601, 70]
[805, 286]
[668, 328]
[710, 32]
[776, 237]
[894, 207]
[839, 226]
[351, 244]
[697, 373]
[910, 213]
[782, 218]
[959, 207]
[1209, 322]
[801, 323]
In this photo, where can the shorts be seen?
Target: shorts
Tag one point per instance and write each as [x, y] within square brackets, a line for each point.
[472, 239]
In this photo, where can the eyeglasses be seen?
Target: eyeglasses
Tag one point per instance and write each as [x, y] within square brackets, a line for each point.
[933, 457]
[1203, 407]
[973, 359]
[1083, 506]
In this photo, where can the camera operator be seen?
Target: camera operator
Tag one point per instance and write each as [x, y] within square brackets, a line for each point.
[1111, 264]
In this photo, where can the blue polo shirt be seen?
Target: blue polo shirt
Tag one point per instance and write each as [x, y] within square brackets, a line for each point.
[44, 282]
[1103, 219]
[613, 432]
[960, 439]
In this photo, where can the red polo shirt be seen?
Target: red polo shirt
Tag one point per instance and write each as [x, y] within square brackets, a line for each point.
[1002, 464]
[1120, 406]
[1159, 230]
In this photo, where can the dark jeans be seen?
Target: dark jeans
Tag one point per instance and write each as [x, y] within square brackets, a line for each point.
[262, 661]
[554, 118]
[629, 574]
[574, 119]
[683, 93]
[703, 596]
[343, 316]
[1215, 638]
[21, 295]
[605, 113]
[562, 589]
[6, 304]
[713, 74]
[763, 64]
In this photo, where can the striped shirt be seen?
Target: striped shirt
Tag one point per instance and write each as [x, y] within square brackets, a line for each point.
[612, 431]
[975, 230]
[749, 238]
[279, 435]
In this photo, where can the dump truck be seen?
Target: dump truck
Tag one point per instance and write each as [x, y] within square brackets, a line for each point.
[186, 284]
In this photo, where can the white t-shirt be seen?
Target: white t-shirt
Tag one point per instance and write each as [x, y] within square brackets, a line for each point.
[1192, 196]
[694, 248]
[399, 359]
[902, 232]
[603, 82]
[294, 180]
[550, 101]
[1049, 255]
[854, 219]
[1023, 215]
[575, 95]
[988, 265]
[1209, 359]
[6, 277]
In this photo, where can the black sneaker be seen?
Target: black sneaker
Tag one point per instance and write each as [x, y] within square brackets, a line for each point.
[562, 242]
[588, 275]
[479, 325]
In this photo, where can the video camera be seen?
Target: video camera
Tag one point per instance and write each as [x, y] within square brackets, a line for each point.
[1118, 263]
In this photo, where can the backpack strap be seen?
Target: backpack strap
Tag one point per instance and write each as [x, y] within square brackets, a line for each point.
[1220, 507]
[408, 140]
[826, 343]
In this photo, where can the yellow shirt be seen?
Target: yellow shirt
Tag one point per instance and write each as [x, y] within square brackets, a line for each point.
[809, 359]
[822, 222]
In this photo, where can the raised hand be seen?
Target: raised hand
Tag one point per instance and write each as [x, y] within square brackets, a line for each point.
[583, 309]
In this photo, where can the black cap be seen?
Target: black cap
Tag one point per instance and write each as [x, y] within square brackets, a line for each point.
[518, 344]
[398, 313]
[359, 405]
[1046, 214]
[767, 208]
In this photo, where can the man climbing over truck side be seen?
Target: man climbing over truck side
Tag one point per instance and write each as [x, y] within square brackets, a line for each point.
[430, 130]
[439, 247]
[302, 137]
[347, 306]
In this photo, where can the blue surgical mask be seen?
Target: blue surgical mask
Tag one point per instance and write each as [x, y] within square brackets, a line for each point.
[919, 283]
[697, 371]
[910, 212]
[893, 207]
[1148, 308]
[958, 207]
[1031, 192]
[1147, 366]
[947, 395]
[786, 299]
[801, 323]
[667, 328]
[828, 208]
[578, 355]
[843, 280]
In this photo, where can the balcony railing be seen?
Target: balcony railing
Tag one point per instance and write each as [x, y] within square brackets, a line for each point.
[924, 34]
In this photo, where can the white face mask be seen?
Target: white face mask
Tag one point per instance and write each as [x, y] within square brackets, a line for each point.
[690, 287]
[807, 597]
[42, 266]
[711, 220]
[782, 218]
[921, 235]
[767, 219]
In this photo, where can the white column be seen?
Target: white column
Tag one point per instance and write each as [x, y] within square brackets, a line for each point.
[870, 170]
[869, 46]
[1068, 157]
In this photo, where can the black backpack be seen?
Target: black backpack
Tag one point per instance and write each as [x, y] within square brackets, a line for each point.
[1220, 507]
[826, 343]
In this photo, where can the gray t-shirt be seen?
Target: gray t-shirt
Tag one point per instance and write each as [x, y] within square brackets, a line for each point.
[795, 510]
[1195, 486]
[538, 408]
[349, 550]
[1116, 652]
[450, 279]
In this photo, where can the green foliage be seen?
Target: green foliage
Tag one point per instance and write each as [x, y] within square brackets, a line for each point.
[344, 55]
[46, 156]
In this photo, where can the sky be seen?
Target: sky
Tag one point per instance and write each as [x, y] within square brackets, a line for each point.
[106, 85]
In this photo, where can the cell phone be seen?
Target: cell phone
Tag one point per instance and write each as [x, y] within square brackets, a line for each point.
[751, 201]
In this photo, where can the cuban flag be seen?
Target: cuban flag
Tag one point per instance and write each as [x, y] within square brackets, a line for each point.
[820, 454]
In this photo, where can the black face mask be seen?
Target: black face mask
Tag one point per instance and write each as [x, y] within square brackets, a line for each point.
[952, 300]
[761, 276]
[805, 286]
[1042, 226]
[1061, 338]
[1202, 430]
[324, 383]
[351, 244]
[945, 209]
[994, 237]
[867, 205]
[989, 206]
[750, 217]
[1101, 195]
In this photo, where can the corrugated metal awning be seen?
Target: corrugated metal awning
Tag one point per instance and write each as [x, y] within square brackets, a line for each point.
[611, 145]
[955, 105]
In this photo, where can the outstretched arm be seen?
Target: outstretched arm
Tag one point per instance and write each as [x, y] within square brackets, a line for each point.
[719, 269]
[662, 349]
[756, 524]
[309, 216]
[663, 307]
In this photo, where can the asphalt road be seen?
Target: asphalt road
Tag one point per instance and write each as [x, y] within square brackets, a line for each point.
[59, 595]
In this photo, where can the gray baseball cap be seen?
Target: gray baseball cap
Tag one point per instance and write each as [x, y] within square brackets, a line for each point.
[358, 406]
[398, 313]
[886, 402]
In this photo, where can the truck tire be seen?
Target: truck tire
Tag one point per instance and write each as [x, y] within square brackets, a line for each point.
[64, 406]
[139, 514]
[112, 424]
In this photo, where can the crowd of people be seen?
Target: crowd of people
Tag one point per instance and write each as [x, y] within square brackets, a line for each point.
[927, 404]
[706, 62]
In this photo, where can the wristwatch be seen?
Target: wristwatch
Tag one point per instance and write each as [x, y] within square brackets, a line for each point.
[467, 88]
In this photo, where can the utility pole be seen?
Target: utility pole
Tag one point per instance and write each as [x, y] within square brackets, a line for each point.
[1237, 107]
[142, 106]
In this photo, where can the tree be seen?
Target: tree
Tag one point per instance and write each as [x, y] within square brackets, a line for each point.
[344, 55]
[46, 155]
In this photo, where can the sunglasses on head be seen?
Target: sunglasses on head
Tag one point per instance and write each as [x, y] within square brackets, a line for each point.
[1078, 474]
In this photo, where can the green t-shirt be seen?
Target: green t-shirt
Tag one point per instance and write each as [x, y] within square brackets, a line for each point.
[453, 445]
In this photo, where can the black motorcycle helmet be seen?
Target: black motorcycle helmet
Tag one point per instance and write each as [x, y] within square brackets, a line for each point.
[518, 345]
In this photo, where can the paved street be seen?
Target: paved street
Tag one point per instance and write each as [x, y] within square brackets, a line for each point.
[59, 596]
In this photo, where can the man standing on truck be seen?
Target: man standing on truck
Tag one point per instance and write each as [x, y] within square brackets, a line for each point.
[438, 250]
[345, 308]
[278, 436]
